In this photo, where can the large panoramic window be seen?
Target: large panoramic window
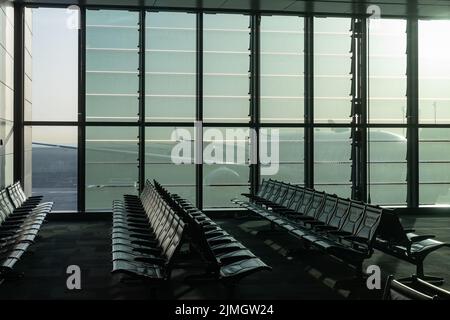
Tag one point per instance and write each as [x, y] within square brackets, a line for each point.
[53, 159]
[170, 66]
[112, 65]
[111, 165]
[282, 67]
[226, 61]
[332, 70]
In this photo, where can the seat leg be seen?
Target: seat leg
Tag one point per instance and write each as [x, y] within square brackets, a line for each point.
[421, 275]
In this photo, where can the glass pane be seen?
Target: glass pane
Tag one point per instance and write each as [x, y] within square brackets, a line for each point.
[53, 158]
[434, 160]
[6, 95]
[170, 66]
[225, 165]
[284, 149]
[52, 84]
[112, 65]
[332, 67]
[226, 83]
[111, 165]
[434, 68]
[169, 154]
[332, 164]
[387, 71]
[282, 67]
[387, 169]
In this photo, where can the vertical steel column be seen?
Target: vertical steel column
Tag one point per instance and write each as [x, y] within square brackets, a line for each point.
[359, 106]
[412, 113]
[199, 113]
[141, 166]
[309, 101]
[255, 89]
[82, 112]
[19, 60]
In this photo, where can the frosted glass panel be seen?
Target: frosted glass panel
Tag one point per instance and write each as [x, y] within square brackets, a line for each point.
[434, 68]
[282, 67]
[112, 65]
[434, 161]
[170, 66]
[111, 165]
[332, 164]
[226, 165]
[226, 83]
[172, 168]
[286, 148]
[387, 171]
[332, 66]
[387, 71]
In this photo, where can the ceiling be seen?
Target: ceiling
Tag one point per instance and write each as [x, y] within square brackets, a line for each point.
[419, 8]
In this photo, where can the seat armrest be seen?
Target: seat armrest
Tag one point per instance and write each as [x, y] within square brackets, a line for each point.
[409, 230]
[421, 238]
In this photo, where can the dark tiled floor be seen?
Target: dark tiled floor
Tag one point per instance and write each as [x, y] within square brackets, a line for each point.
[297, 274]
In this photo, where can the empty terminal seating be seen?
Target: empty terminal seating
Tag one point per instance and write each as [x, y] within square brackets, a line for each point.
[20, 221]
[148, 232]
[344, 228]
[226, 257]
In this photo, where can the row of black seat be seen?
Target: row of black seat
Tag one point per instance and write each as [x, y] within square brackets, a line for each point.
[341, 227]
[20, 221]
[344, 228]
[146, 236]
[417, 290]
[148, 232]
[226, 258]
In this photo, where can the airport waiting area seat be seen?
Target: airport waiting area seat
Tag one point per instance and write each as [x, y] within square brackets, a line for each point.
[227, 259]
[21, 218]
[149, 230]
[419, 289]
[347, 229]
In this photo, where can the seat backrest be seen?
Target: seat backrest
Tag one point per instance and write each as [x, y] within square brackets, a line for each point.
[304, 203]
[391, 229]
[15, 198]
[395, 290]
[339, 214]
[262, 188]
[289, 197]
[328, 208]
[296, 199]
[369, 224]
[275, 192]
[6, 202]
[282, 194]
[354, 217]
[316, 204]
